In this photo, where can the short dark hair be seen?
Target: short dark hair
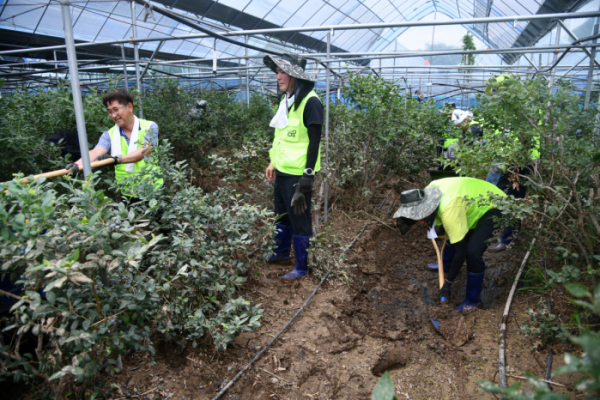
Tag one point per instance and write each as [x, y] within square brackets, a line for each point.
[121, 95]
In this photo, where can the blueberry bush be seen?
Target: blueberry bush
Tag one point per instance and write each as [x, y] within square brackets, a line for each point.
[99, 278]
[378, 134]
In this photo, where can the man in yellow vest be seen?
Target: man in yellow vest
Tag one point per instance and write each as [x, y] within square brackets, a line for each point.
[464, 208]
[464, 127]
[128, 142]
[295, 157]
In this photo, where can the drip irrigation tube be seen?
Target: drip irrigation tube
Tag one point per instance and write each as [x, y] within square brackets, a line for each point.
[257, 357]
[549, 365]
[501, 346]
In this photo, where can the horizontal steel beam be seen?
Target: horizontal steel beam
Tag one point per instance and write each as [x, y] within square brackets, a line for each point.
[407, 24]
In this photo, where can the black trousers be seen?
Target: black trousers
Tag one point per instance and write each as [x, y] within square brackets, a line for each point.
[284, 191]
[474, 245]
[506, 186]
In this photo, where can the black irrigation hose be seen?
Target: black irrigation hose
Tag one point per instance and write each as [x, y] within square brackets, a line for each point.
[501, 345]
[257, 357]
[549, 365]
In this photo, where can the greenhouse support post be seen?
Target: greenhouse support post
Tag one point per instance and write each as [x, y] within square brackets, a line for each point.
[124, 67]
[55, 66]
[65, 9]
[136, 54]
[327, 123]
[588, 88]
[240, 88]
[556, 42]
[247, 73]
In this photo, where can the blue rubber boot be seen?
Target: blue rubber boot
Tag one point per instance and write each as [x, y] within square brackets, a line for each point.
[473, 297]
[301, 244]
[447, 257]
[283, 239]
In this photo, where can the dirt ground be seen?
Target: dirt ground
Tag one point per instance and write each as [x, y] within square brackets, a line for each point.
[350, 333]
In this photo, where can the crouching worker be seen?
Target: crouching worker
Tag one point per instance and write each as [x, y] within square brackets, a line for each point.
[128, 142]
[295, 157]
[463, 207]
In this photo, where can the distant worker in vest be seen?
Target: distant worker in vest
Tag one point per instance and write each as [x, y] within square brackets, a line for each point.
[506, 180]
[449, 136]
[470, 127]
[128, 142]
[295, 157]
[467, 127]
[464, 127]
[464, 208]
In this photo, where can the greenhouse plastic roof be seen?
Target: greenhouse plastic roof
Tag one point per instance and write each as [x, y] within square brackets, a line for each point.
[101, 20]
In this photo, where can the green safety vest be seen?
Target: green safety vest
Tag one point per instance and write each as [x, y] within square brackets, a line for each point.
[451, 137]
[290, 144]
[469, 188]
[120, 173]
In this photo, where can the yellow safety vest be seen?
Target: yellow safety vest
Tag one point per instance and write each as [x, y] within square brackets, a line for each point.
[120, 173]
[290, 144]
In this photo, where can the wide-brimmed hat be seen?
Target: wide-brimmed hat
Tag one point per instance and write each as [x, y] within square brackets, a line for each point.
[291, 64]
[458, 116]
[416, 204]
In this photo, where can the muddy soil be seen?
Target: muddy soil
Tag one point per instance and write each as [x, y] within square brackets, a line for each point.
[351, 332]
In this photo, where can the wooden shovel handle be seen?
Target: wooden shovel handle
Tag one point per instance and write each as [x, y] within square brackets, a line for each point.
[440, 265]
[61, 172]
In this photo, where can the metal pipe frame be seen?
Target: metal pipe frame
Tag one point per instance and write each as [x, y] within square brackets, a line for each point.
[151, 57]
[267, 76]
[574, 37]
[393, 56]
[588, 89]
[124, 67]
[136, 55]
[247, 73]
[65, 9]
[406, 24]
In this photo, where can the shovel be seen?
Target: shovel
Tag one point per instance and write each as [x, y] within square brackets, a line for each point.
[61, 172]
[435, 323]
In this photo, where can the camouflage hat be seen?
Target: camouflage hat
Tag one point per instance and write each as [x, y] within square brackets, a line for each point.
[291, 64]
[417, 204]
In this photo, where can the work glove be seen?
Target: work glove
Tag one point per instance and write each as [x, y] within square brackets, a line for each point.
[73, 168]
[306, 183]
[298, 200]
[107, 156]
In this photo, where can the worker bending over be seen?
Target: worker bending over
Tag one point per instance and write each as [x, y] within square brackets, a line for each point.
[128, 142]
[295, 157]
[464, 208]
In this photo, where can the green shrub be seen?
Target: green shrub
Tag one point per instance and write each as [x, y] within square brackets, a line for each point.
[543, 325]
[27, 118]
[58, 239]
[563, 188]
[588, 366]
[379, 134]
[225, 124]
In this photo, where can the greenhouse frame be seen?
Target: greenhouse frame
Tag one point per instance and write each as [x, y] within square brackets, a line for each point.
[221, 44]
[468, 92]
